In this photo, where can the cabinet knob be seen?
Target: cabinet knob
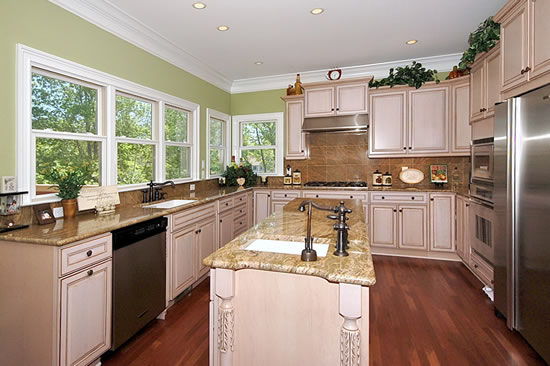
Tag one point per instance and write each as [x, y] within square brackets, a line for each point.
[475, 265]
[467, 205]
[90, 272]
[394, 210]
[332, 109]
[404, 148]
[221, 220]
[285, 194]
[401, 210]
[316, 196]
[528, 68]
[410, 148]
[431, 199]
[227, 203]
[337, 109]
[240, 223]
[412, 198]
[89, 253]
[350, 196]
[383, 197]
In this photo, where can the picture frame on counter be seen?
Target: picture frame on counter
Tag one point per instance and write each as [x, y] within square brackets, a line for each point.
[438, 174]
[8, 184]
[44, 214]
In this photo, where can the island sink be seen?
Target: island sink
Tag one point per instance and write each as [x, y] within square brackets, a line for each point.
[284, 247]
[170, 204]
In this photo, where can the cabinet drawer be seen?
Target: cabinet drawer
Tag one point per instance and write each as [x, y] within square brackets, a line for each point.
[192, 215]
[240, 210]
[284, 195]
[343, 195]
[481, 268]
[379, 197]
[84, 253]
[240, 224]
[239, 199]
[225, 204]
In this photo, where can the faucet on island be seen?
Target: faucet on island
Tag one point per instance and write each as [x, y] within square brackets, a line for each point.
[309, 254]
[153, 194]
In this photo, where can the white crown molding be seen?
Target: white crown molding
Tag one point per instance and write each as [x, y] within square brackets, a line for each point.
[379, 70]
[112, 19]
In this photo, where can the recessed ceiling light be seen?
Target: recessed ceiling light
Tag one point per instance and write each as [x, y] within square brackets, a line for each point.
[258, 63]
[412, 41]
[317, 11]
[223, 28]
[199, 5]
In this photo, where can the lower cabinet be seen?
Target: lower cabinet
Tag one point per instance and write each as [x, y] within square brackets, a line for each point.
[383, 226]
[183, 259]
[398, 226]
[86, 315]
[462, 228]
[225, 227]
[413, 227]
[262, 205]
[442, 222]
[206, 243]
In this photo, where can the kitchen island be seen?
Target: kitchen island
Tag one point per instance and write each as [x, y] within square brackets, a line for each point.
[274, 309]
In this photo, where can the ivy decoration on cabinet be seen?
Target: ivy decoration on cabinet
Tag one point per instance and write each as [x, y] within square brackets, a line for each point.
[481, 40]
[414, 75]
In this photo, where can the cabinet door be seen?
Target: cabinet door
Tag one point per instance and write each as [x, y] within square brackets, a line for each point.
[277, 206]
[514, 52]
[388, 121]
[226, 228]
[413, 227]
[250, 207]
[429, 120]
[262, 206]
[459, 233]
[183, 259]
[206, 243]
[351, 99]
[460, 119]
[477, 91]
[85, 315]
[539, 34]
[295, 139]
[442, 226]
[319, 102]
[383, 226]
[492, 81]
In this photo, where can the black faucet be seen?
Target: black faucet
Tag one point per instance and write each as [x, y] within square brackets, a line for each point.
[153, 194]
[309, 254]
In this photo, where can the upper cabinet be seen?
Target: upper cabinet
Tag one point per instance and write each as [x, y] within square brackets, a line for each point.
[485, 85]
[429, 121]
[332, 98]
[295, 138]
[525, 50]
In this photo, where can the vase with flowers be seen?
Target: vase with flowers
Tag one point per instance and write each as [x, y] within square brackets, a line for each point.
[241, 175]
[68, 181]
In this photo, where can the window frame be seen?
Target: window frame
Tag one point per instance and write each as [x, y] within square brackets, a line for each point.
[29, 59]
[212, 113]
[194, 155]
[279, 143]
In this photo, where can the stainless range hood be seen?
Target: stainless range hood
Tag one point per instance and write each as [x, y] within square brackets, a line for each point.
[351, 123]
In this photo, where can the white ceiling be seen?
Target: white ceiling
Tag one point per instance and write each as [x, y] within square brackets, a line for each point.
[288, 39]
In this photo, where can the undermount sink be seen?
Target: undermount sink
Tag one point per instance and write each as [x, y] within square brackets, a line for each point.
[284, 247]
[170, 204]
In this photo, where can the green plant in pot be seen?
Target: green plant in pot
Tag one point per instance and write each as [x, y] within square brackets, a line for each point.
[234, 172]
[68, 181]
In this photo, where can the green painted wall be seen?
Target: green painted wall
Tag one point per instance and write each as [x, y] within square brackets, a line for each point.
[49, 28]
[268, 101]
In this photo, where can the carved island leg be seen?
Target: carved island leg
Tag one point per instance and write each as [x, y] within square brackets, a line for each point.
[350, 335]
[225, 290]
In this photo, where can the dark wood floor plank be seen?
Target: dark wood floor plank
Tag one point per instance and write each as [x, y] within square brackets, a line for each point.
[423, 312]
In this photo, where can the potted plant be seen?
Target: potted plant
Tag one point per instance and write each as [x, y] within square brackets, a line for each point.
[234, 175]
[68, 181]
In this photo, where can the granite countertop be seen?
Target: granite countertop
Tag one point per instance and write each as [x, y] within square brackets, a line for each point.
[290, 224]
[87, 225]
[462, 190]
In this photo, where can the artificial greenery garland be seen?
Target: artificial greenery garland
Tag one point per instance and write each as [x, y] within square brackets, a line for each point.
[244, 170]
[413, 75]
[481, 40]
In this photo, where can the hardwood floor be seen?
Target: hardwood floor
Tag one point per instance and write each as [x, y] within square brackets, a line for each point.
[423, 312]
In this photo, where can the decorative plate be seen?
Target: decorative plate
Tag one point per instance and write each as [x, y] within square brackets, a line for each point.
[411, 176]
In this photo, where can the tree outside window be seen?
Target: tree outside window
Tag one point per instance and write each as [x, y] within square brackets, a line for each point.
[258, 144]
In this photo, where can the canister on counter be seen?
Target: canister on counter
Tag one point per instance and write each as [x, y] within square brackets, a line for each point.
[377, 178]
[287, 180]
[387, 179]
[297, 177]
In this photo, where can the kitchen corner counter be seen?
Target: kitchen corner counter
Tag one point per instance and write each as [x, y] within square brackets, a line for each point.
[290, 224]
[87, 225]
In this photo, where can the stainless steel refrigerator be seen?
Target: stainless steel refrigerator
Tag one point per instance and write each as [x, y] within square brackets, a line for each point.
[522, 216]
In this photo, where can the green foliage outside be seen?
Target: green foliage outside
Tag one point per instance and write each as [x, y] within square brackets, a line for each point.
[481, 40]
[259, 134]
[69, 180]
[414, 75]
[217, 150]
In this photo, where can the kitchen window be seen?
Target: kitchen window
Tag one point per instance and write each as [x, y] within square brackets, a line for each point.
[70, 115]
[219, 140]
[258, 140]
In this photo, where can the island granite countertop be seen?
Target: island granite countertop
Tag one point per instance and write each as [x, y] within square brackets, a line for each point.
[290, 224]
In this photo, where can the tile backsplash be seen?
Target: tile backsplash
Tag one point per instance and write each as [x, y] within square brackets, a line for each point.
[344, 157]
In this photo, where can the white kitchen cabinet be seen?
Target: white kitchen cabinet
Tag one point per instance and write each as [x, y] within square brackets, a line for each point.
[183, 259]
[250, 207]
[413, 227]
[295, 138]
[86, 315]
[442, 222]
[341, 97]
[262, 205]
[383, 226]
[463, 228]
[388, 123]
[539, 33]
[429, 120]
[460, 118]
[514, 37]
[206, 243]
[477, 91]
[492, 81]
[485, 85]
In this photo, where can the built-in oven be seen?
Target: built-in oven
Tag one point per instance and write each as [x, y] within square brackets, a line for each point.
[482, 160]
[482, 223]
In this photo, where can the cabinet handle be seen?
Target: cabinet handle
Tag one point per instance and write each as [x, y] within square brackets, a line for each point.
[383, 197]
[467, 205]
[405, 148]
[240, 199]
[431, 199]
[337, 109]
[90, 272]
[527, 69]
[227, 203]
[200, 230]
[412, 198]
[240, 223]
[221, 220]
[285, 194]
[332, 109]
[89, 253]
[268, 195]
[350, 196]
[475, 265]
[410, 148]
[394, 210]
[401, 210]
[316, 196]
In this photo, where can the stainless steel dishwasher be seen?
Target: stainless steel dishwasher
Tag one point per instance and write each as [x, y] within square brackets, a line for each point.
[139, 277]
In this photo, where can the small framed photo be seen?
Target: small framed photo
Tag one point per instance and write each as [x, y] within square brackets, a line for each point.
[438, 174]
[44, 214]
[8, 184]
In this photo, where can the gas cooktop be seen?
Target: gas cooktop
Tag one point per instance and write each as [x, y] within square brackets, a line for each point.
[337, 184]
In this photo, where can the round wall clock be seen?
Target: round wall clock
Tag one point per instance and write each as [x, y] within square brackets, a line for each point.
[335, 74]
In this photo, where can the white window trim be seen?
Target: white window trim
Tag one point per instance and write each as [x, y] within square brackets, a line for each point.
[212, 113]
[279, 148]
[28, 57]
